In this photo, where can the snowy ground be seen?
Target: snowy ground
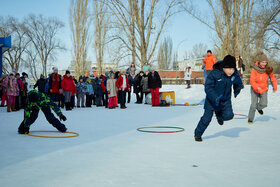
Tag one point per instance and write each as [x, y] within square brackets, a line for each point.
[111, 152]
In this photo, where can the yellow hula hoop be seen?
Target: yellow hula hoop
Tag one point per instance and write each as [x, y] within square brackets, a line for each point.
[71, 136]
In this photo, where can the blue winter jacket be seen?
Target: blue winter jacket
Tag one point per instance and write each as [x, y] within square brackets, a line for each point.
[81, 88]
[89, 89]
[219, 84]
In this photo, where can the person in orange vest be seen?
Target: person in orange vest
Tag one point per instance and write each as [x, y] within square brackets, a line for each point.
[260, 73]
[209, 61]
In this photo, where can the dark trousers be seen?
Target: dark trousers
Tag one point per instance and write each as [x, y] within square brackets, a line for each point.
[49, 116]
[23, 102]
[223, 115]
[61, 100]
[17, 103]
[72, 101]
[122, 95]
[88, 100]
[138, 98]
[105, 99]
[98, 100]
[55, 97]
[93, 100]
[128, 96]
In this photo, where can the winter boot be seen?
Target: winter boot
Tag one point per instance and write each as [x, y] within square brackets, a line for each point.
[198, 138]
[67, 106]
[260, 112]
[13, 108]
[221, 122]
[250, 122]
[9, 108]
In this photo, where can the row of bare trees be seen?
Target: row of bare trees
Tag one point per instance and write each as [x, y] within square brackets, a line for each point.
[135, 25]
[240, 27]
[34, 43]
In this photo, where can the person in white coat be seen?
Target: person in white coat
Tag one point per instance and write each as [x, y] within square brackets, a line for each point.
[187, 76]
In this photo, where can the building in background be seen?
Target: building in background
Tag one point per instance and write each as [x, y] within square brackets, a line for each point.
[196, 64]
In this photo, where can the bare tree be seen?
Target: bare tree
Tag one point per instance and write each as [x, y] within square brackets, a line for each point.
[32, 62]
[101, 26]
[13, 57]
[198, 50]
[241, 26]
[42, 33]
[165, 54]
[144, 34]
[80, 24]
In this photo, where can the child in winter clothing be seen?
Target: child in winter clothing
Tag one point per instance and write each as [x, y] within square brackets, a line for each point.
[154, 83]
[24, 93]
[123, 86]
[81, 90]
[145, 86]
[68, 87]
[89, 93]
[218, 88]
[35, 102]
[12, 91]
[259, 80]
[112, 91]
[98, 92]
[187, 76]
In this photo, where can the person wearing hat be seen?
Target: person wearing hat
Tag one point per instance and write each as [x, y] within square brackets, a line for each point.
[123, 86]
[55, 85]
[187, 75]
[41, 83]
[146, 67]
[12, 91]
[81, 90]
[112, 91]
[260, 74]
[35, 102]
[89, 93]
[68, 87]
[154, 84]
[98, 92]
[209, 61]
[218, 89]
[19, 93]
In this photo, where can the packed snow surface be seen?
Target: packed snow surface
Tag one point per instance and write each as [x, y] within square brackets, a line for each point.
[111, 152]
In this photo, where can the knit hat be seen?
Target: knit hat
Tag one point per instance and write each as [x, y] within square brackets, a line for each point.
[229, 62]
[91, 73]
[262, 57]
[23, 73]
[54, 68]
[67, 72]
[33, 97]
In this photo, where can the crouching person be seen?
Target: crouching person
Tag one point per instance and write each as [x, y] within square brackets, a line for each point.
[35, 102]
[218, 88]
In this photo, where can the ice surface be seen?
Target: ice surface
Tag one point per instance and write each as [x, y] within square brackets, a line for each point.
[111, 152]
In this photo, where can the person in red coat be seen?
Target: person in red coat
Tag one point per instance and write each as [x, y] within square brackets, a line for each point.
[68, 87]
[123, 87]
[55, 86]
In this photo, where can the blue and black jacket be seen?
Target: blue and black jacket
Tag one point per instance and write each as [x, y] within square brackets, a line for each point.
[219, 85]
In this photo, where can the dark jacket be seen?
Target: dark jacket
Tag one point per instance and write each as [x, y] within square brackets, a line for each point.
[154, 81]
[41, 83]
[219, 84]
[98, 91]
